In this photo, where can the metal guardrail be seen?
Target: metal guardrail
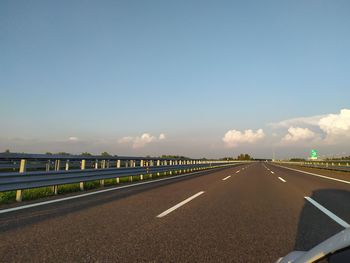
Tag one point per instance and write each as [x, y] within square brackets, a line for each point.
[329, 165]
[28, 156]
[11, 161]
[47, 169]
[18, 181]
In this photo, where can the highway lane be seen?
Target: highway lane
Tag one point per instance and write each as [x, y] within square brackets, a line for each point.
[119, 213]
[333, 194]
[95, 199]
[329, 173]
[251, 216]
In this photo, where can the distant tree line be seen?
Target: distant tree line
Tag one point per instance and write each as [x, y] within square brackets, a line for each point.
[338, 158]
[82, 154]
[244, 157]
[241, 157]
[227, 159]
[327, 159]
[297, 159]
[59, 153]
[174, 156]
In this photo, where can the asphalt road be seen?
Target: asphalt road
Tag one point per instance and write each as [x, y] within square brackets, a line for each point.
[251, 213]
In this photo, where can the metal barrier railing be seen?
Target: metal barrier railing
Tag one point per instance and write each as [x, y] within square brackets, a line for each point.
[34, 171]
[330, 165]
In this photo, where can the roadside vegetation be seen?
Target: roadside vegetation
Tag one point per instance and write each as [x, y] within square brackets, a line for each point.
[240, 157]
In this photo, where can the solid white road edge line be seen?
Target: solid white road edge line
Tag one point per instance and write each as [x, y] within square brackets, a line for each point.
[318, 175]
[237, 172]
[3, 211]
[272, 172]
[226, 178]
[171, 209]
[282, 179]
[328, 213]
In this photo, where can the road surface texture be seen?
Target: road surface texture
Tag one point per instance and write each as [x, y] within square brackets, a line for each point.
[251, 213]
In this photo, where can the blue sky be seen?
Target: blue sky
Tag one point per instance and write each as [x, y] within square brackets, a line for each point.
[97, 75]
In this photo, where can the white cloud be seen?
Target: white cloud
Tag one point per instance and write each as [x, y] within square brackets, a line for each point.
[311, 121]
[296, 134]
[145, 138]
[141, 141]
[233, 138]
[336, 126]
[73, 139]
[126, 139]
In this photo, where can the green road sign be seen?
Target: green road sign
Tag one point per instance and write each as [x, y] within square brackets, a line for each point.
[313, 154]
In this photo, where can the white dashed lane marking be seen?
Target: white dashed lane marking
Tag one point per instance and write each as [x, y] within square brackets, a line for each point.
[171, 209]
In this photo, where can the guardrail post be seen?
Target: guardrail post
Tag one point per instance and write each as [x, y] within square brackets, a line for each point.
[150, 163]
[170, 163]
[82, 167]
[158, 164]
[67, 165]
[118, 166]
[57, 165]
[102, 181]
[57, 168]
[22, 169]
[165, 163]
[48, 164]
[141, 165]
[131, 165]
